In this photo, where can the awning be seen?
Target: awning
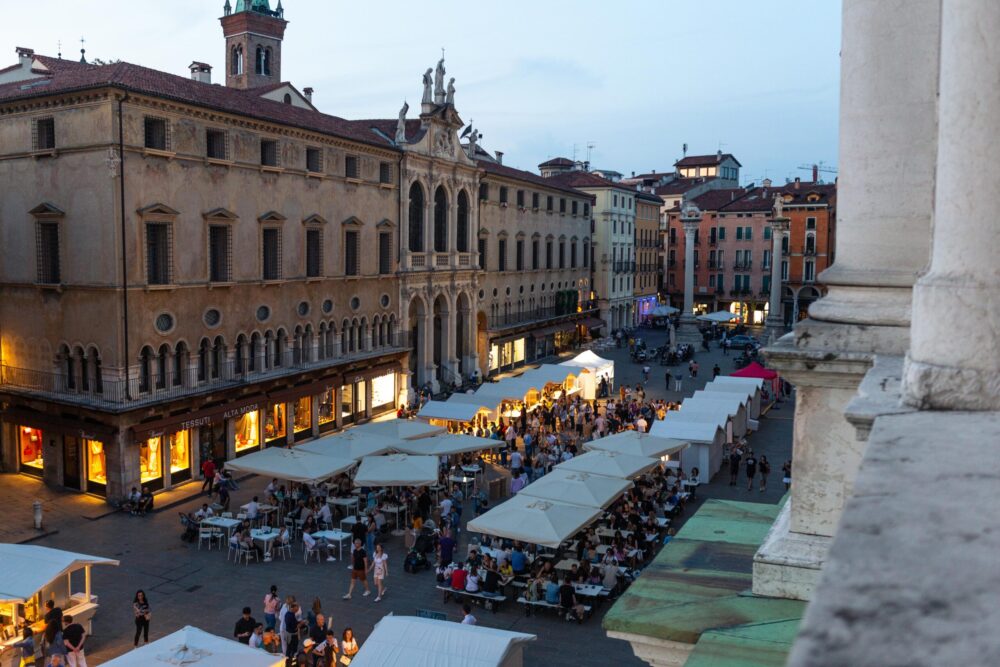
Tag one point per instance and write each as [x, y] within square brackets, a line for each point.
[612, 464]
[533, 520]
[347, 445]
[402, 429]
[191, 647]
[26, 569]
[294, 465]
[447, 445]
[591, 323]
[638, 444]
[680, 429]
[577, 488]
[397, 470]
[450, 411]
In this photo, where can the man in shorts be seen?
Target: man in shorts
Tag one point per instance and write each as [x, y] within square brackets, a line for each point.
[359, 569]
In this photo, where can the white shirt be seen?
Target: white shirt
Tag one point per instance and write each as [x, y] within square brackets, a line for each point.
[256, 641]
[308, 540]
[515, 460]
[446, 506]
[252, 509]
[566, 456]
[324, 514]
[204, 513]
[469, 620]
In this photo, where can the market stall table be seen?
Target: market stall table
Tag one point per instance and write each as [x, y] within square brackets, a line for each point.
[221, 522]
[337, 536]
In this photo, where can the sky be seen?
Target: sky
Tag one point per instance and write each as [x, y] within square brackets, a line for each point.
[626, 83]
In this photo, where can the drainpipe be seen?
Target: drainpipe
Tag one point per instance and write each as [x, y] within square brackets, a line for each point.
[121, 203]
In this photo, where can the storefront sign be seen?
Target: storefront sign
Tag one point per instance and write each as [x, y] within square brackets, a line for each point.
[238, 412]
[195, 419]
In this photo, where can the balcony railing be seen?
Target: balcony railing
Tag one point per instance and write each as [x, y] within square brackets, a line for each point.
[118, 393]
[495, 322]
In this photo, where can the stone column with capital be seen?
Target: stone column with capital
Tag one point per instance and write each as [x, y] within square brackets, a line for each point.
[775, 321]
[687, 330]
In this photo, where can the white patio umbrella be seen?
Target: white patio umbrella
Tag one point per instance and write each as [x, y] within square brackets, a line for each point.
[533, 520]
[447, 445]
[397, 470]
[638, 444]
[401, 429]
[348, 445]
[451, 410]
[191, 647]
[611, 464]
[577, 488]
[294, 465]
[719, 317]
[663, 310]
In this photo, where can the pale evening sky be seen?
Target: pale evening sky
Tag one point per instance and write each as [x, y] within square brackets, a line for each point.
[636, 78]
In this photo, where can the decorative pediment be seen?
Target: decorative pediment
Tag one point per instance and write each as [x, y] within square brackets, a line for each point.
[536, 235]
[352, 221]
[271, 216]
[47, 210]
[157, 209]
[502, 234]
[223, 214]
[314, 219]
[386, 224]
[483, 232]
[813, 196]
[520, 235]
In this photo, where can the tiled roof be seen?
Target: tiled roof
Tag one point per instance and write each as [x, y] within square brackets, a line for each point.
[648, 196]
[557, 162]
[681, 185]
[137, 79]
[584, 179]
[701, 160]
[492, 167]
[714, 200]
[388, 127]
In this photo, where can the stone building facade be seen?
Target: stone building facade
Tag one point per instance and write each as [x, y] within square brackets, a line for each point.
[647, 243]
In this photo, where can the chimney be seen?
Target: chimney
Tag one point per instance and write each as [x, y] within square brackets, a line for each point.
[719, 154]
[25, 56]
[797, 181]
[633, 174]
[308, 92]
[767, 182]
[499, 156]
[201, 72]
[815, 173]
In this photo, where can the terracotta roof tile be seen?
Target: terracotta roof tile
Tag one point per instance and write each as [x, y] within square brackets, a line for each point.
[700, 160]
[557, 162]
[492, 167]
[681, 185]
[584, 179]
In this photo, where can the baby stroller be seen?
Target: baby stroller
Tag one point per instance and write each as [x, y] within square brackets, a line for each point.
[190, 533]
[415, 561]
[425, 542]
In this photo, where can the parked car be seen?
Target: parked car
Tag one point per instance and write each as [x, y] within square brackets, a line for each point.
[740, 342]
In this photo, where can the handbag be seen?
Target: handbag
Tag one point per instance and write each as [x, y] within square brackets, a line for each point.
[344, 660]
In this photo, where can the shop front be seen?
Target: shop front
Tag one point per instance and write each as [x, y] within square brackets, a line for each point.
[30, 451]
[509, 353]
[369, 394]
[275, 425]
[165, 459]
[326, 413]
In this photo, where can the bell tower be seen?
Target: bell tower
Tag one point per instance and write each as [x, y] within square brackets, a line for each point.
[253, 33]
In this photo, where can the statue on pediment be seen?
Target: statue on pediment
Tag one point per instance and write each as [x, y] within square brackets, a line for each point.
[428, 82]
[450, 97]
[439, 92]
[401, 124]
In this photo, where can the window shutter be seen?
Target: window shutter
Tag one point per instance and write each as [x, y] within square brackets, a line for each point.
[314, 252]
[385, 253]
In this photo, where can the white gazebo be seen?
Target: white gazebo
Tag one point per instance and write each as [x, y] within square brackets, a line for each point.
[705, 412]
[577, 488]
[294, 465]
[591, 369]
[706, 438]
[400, 429]
[612, 464]
[638, 444]
[397, 470]
[191, 647]
[533, 520]
[408, 641]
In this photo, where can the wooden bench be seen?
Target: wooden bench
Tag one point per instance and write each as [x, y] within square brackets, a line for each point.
[489, 602]
[528, 604]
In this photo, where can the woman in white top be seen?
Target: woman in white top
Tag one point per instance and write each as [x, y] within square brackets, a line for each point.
[380, 566]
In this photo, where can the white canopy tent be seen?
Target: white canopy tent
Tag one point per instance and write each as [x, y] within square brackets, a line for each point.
[612, 464]
[638, 444]
[577, 488]
[533, 520]
[453, 411]
[706, 439]
[592, 369]
[191, 647]
[408, 641]
[706, 412]
[397, 470]
[482, 402]
[348, 445]
[447, 445]
[516, 388]
[664, 310]
[25, 569]
[294, 465]
[401, 429]
[734, 405]
[751, 391]
[719, 317]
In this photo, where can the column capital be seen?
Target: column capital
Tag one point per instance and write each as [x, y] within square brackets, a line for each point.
[691, 225]
[779, 224]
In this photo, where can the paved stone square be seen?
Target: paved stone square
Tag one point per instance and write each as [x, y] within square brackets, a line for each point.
[199, 587]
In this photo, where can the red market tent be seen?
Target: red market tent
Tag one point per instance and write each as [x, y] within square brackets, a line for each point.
[755, 370]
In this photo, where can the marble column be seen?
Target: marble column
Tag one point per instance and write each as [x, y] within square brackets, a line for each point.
[888, 152]
[687, 331]
[954, 358]
[775, 319]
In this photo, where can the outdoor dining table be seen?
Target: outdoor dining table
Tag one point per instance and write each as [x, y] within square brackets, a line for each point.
[466, 482]
[588, 590]
[262, 510]
[395, 511]
[567, 564]
[220, 522]
[265, 536]
[337, 536]
[609, 533]
[349, 503]
[350, 521]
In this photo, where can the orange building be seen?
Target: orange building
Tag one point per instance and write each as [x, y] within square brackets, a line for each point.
[808, 248]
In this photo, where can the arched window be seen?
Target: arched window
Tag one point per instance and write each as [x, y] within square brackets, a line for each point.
[416, 224]
[287, 99]
[180, 363]
[462, 228]
[203, 362]
[253, 353]
[267, 61]
[392, 328]
[69, 366]
[162, 364]
[241, 354]
[345, 328]
[218, 356]
[84, 371]
[330, 333]
[280, 343]
[440, 220]
[236, 66]
[260, 58]
[297, 345]
[363, 340]
[145, 368]
[95, 359]
[268, 351]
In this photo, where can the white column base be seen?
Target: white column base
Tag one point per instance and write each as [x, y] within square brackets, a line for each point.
[687, 330]
[657, 652]
[788, 564]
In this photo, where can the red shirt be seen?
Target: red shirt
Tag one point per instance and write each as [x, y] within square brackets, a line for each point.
[208, 469]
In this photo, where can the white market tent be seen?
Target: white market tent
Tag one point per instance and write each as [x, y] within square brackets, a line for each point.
[719, 317]
[516, 388]
[533, 520]
[706, 412]
[611, 464]
[397, 470]
[347, 445]
[482, 402]
[638, 444]
[734, 405]
[447, 445]
[706, 439]
[592, 369]
[750, 391]
[577, 488]
[664, 310]
[401, 429]
[191, 647]
[294, 465]
[26, 569]
[455, 411]
[408, 641]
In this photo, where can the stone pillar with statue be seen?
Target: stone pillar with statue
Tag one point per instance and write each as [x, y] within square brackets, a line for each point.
[687, 329]
[779, 227]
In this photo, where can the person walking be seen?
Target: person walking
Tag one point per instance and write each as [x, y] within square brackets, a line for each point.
[751, 464]
[380, 570]
[645, 373]
[765, 470]
[679, 381]
[140, 607]
[208, 473]
[271, 604]
[786, 474]
[735, 457]
[360, 569]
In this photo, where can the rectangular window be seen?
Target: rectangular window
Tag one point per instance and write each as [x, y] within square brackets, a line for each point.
[482, 254]
[548, 254]
[549, 203]
[534, 200]
[519, 255]
[586, 209]
[615, 199]
[534, 254]
[219, 254]
[47, 252]
[722, 233]
[314, 253]
[314, 160]
[766, 263]
[156, 133]
[784, 270]
[739, 233]
[269, 152]
[351, 263]
[574, 207]
[810, 223]
[572, 255]
[810, 272]
[748, 233]
[45, 134]
[385, 252]
[562, 254]
[586, 255]
[158, 253]
[351, 169]
[271, 251]
[711, 280]
[503, 194]
[673, 235]
[216, 144]
[520, 198]
[767, 233]
[765, 284]
[385, 172]
[502, 255]
[562, 204]
[484, 191]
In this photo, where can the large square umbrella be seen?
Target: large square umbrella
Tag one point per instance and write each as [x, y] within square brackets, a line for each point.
[397, 470]
[446, 445]
[533, 520]
[401, 429]
[611, 464]
[191, 647]
[348, 445]
[577, 488]
[294, 465]
[638, 444]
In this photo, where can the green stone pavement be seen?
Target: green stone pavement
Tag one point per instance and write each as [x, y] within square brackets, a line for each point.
[697, 591]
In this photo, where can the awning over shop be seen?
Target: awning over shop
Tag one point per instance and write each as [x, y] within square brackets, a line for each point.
[192, 647]
[350, 445]
[634, 443]
[447, 445]
[450, 411]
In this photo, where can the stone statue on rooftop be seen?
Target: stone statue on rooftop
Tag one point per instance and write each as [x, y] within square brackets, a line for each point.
[428, 82]
[450, 97]
[779, 205]
[473, 139]
[401, 124]
[439, 82]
